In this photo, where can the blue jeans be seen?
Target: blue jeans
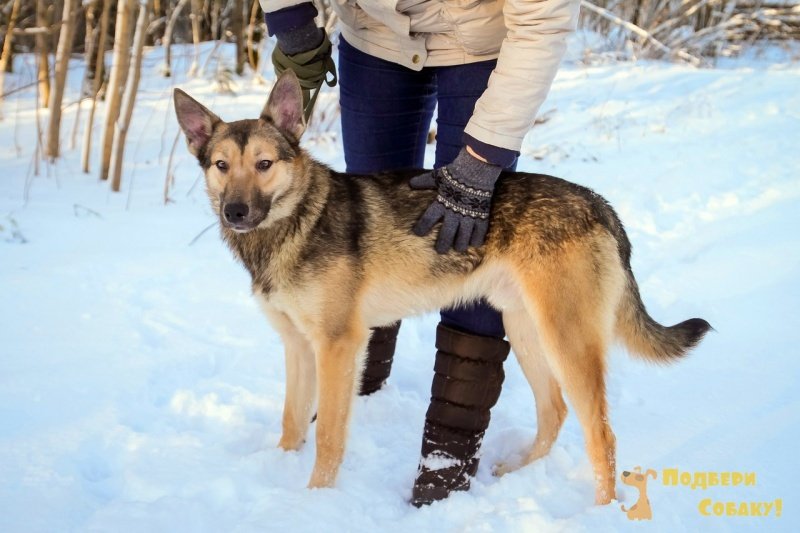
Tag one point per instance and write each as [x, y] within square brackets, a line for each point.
[386, 115]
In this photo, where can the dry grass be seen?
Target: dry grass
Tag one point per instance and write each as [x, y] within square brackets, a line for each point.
[692, 30]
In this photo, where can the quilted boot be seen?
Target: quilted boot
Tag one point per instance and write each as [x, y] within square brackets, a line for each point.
[467, 383]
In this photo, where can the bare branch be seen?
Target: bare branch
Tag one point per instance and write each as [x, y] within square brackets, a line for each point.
[633, 28]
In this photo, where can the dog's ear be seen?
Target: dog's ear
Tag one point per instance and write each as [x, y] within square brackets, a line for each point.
[651, 471]
[285, 106]
[195, 120]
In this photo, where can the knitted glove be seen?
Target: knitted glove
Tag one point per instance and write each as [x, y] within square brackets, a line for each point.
[307, 51]
[465, 189]
[301, 38]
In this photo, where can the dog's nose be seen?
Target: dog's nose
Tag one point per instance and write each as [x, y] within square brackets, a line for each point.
[626, 473]
[235, 213]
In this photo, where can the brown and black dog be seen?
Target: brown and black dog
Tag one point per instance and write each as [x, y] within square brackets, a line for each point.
[332, 255]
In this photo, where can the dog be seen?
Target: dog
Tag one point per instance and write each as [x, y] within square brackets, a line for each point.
[332, 255]
[641, 510]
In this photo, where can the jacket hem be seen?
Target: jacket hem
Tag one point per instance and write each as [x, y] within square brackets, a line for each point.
[410, 52]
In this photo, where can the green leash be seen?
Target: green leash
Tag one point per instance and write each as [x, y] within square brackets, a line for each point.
[312, 69]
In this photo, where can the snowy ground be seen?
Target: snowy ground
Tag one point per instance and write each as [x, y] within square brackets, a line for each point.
[141, 389]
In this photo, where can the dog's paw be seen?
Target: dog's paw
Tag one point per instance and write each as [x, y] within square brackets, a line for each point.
[320, 481]
[290, 444]
[501, 469]
[604, 496]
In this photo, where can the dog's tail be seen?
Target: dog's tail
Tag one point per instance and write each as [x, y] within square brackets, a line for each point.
[647, 338]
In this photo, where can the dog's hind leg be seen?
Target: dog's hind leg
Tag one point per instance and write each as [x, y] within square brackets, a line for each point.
[338, 372]
[301, 380]
[550, 407]
[569, 301]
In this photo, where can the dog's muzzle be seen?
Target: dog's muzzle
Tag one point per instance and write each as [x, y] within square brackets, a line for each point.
[239, 217]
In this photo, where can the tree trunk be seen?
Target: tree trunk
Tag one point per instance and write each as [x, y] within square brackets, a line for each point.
[195, 18]
[59, 80]
[37, 154]
[100, 51]
[215, 8]
[91, 31]
[237, 28]
[131, 87]
[116, 80]
[157, 24]
[43, 49]
[168, 37]
[56, 6]
[8, 49]
[97, 82]
[6, 58]
[252, 53]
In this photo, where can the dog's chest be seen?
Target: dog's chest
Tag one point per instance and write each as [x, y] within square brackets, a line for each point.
[287, 303]
[263, 261]
[273, 283]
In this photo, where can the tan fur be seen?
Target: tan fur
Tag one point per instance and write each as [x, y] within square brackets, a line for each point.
[301, 390]
[573, 314]
[332, 256]
[550, 407]
[560, 295]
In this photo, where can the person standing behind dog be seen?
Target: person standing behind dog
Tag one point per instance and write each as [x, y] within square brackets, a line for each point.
[488, 65]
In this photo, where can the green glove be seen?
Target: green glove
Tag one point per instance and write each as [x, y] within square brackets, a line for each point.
[312, 68]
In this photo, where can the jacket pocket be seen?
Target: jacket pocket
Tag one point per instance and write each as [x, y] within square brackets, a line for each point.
[478, 25]
[350, 14]
[384, 12]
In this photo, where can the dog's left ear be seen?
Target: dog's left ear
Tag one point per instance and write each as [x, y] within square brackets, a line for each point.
[285, 107]
[652, 472]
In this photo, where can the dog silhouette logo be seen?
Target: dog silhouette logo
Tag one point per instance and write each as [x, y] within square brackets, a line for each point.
[641, 510]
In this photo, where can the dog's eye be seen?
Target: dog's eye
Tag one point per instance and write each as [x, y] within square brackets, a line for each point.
[263, 165]
[222, 165]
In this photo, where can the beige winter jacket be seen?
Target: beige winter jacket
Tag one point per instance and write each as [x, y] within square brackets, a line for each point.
[526, 36]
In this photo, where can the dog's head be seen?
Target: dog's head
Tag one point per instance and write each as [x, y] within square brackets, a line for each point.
[250, 165]
[636, 478]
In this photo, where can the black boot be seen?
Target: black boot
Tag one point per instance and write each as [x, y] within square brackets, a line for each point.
[380, 353]
[469, 377]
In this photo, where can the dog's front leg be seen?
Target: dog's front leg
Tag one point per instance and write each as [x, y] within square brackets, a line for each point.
[301, 392]
[338, 374]
[301, 380]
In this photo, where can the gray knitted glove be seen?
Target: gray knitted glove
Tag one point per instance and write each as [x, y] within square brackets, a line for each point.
[302, 39]
[465, 198]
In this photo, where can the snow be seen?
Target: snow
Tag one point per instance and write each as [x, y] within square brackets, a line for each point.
[439, 461]
[141, 389]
